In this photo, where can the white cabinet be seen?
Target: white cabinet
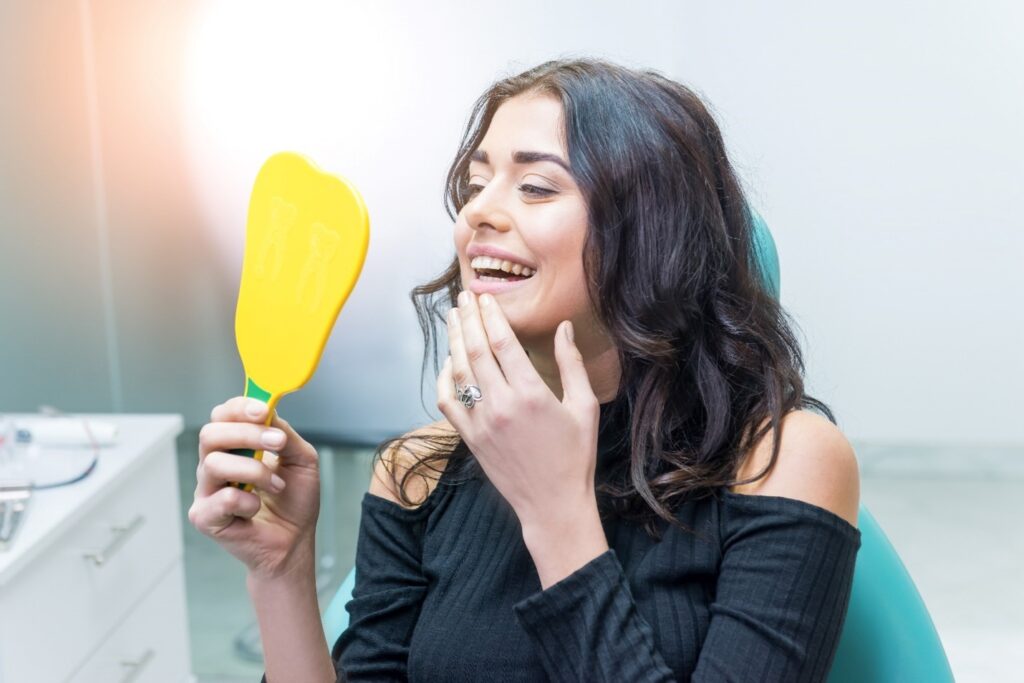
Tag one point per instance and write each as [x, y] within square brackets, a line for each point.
[93, 589]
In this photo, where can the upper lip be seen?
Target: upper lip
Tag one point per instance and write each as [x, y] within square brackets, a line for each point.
[475, 250]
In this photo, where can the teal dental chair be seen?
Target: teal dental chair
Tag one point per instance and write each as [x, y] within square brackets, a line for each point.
[888, 635]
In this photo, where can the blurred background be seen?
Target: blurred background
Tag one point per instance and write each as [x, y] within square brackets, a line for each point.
[880, 141]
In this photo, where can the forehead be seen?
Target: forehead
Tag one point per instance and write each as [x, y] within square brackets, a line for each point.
[525, 122]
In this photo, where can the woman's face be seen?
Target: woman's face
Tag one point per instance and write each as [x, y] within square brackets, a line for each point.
[532, 210]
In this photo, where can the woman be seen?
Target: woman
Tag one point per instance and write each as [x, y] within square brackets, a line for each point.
[626, 485]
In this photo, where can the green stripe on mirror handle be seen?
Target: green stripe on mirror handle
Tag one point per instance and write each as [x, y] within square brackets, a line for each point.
[252, 390]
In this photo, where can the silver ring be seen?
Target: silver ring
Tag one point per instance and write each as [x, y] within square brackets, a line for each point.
[468, 394]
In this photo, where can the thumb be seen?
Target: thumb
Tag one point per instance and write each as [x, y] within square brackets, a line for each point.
[575, 381]
[296, 449]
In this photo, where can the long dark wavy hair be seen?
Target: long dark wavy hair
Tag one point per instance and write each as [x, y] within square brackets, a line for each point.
[708, 356]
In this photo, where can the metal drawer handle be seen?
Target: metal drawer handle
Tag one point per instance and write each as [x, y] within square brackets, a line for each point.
[137, 665]
[121, 534]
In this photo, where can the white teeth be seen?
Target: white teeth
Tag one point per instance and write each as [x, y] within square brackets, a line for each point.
[487, 262]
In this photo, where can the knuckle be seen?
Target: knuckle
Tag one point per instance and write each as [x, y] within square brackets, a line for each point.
[532, 400]
[501, 342]
[474, 353]
[213, 461]
[231, 498]
[500, 418]
[233, 409]
[204, 434]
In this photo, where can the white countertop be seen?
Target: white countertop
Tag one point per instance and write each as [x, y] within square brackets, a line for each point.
[51, 511]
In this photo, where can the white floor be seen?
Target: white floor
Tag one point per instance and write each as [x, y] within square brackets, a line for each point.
[953, 514]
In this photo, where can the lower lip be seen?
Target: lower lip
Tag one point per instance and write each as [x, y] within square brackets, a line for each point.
[478, 286]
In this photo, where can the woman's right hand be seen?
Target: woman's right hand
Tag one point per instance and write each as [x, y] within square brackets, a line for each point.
[270, 530]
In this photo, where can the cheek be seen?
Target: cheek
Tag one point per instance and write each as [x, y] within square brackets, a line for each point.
[460, 235]
[460, 240]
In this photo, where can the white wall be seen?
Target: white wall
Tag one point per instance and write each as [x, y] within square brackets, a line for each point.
[883, 143]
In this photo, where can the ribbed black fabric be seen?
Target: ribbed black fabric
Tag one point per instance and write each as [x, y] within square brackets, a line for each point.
[449, 592]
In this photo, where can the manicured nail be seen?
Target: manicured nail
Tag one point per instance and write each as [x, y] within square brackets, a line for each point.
[272, 438]
[254, 408]
[568, 331]
[486, 300]
[463, 298]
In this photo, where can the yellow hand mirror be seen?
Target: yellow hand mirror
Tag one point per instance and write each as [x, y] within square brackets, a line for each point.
[305, 243]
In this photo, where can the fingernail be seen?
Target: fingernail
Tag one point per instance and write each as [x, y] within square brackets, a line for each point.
[272, 438]
[486, 299]
[276, 482]
[463, 298]
[255, 408]
[568, 331]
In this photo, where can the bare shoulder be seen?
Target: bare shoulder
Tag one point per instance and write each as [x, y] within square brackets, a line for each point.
[816, 464]
[401, 456]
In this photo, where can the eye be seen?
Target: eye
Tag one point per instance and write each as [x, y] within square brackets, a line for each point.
[536, 191]
[472, 190]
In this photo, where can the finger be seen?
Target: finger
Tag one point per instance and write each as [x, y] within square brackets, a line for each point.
[219, 468]
[213, 514]
[227, 436]
[482, 362]
[576, 386]
[240, 409]
[237, 410]
[511, 356]
[462, 372]
[447, 402]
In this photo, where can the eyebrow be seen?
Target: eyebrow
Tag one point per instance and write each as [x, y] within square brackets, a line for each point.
[523, 157]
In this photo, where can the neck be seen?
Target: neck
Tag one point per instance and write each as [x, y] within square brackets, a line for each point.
[600, 358]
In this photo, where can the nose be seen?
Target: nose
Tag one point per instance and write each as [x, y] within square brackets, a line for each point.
[486, 210]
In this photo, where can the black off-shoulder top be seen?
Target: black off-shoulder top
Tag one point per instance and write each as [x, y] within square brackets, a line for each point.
[448, 591]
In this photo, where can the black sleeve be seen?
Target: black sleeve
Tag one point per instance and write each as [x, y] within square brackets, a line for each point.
[387, 594]
[783, 591]
[586, 627]
[781, 598]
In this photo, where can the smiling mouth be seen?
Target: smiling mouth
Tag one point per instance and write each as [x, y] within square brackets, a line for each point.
[496, 275]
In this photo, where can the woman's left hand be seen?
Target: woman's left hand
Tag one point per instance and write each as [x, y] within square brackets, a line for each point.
[538, 451]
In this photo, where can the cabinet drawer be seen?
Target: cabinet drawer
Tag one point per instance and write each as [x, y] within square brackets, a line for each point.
[94, 574]
[151, 645]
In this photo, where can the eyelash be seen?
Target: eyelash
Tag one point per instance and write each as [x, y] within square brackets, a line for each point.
[536, 191]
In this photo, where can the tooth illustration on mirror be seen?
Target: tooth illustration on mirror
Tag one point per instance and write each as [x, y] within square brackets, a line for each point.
[282, 216]
[323, 244]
